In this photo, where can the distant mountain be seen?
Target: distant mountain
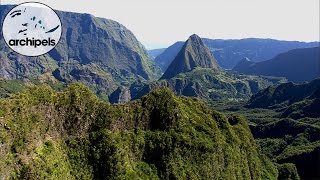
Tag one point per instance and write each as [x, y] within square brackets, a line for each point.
[193, 54]
[101, 53]
[229, 52]
[295, 101]
[211, 85]
[194, 72]
[244, 64]
[164, 59]
[153, 53]
[296, 65]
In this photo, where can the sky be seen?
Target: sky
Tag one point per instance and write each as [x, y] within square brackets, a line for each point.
[160, 23]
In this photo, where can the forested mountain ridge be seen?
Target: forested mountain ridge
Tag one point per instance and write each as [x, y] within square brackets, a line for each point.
[73, 134]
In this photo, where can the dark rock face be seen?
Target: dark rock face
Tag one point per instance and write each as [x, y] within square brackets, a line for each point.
[98, 52]
[193, 54]
[121, 95]
[297, 65]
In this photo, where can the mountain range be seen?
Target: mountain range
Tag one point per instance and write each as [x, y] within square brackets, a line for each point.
[155, 52]
[229, 52]
[195, 72]
[98, 107]
[296, 65]
[295, 100]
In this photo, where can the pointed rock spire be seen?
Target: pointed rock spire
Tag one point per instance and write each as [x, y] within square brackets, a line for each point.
[194, 53]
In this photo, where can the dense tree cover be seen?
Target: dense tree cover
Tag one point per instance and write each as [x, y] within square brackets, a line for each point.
[73, 134]
[285, 122]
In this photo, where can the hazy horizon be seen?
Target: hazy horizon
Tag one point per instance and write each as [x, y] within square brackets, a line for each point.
[160, 24]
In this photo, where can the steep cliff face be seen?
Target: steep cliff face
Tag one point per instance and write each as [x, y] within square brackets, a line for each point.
[98, 52]
[121, 95]
[72, 134]
[88, 39]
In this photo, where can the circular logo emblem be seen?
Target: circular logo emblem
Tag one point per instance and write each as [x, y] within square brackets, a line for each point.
[31, 29]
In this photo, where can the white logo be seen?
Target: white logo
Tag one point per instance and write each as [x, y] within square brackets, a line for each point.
[31, 29]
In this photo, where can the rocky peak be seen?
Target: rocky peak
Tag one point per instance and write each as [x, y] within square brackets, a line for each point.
[193, 54]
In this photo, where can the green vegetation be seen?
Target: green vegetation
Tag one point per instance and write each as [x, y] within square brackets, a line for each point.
[229, 52]
[295, 141]
[8, 87]
[212, 86]
[98, 52]
[48, 131]
[72, 134]
[285, 122]
[288, 171]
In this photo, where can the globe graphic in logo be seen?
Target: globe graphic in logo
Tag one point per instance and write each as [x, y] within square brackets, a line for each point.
[31, 29]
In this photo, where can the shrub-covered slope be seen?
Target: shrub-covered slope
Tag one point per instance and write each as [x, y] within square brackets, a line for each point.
[292, 141]
[195, 72]
[295, 100]
[72, 134]
[212, 85]
[292, 134]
